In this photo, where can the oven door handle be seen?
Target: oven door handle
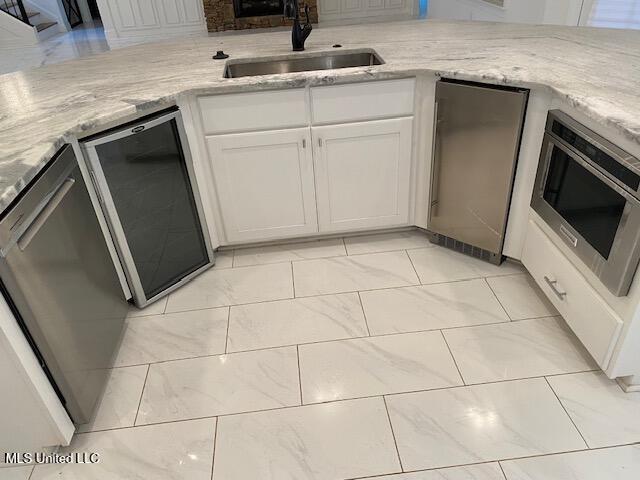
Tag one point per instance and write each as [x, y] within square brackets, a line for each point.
[552, 285]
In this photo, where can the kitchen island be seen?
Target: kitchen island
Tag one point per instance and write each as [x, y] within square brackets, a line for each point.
[387, 117]
[594, 70]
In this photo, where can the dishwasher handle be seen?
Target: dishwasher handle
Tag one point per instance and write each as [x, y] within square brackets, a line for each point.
[32, 230]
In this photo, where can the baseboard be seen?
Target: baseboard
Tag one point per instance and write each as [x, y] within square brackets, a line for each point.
[628, 388]
[116, 41]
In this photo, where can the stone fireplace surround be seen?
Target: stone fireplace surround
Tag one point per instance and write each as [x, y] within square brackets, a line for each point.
[220, 16]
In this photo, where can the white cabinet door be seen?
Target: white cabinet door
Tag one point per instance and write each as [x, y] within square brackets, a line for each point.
[362, 174]
[264, 182]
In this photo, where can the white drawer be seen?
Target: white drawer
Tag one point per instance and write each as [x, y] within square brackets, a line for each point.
[592, 320]
[241, 112]
[363, 101]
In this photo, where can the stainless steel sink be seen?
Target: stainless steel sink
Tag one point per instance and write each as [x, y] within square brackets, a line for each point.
[324, 61]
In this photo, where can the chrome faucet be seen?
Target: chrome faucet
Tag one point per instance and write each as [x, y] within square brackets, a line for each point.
[299, 33]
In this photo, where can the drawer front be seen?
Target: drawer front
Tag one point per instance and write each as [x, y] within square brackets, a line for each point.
[242, 112]
[363, 101]
[591, 319]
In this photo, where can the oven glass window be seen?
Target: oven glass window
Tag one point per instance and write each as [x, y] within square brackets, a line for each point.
[586, 203]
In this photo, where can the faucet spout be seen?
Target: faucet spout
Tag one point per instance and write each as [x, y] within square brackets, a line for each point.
[299, 33]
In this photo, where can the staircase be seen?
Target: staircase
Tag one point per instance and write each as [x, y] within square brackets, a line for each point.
[17, 9]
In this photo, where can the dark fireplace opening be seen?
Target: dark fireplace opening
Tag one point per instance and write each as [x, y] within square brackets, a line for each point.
[257, 8]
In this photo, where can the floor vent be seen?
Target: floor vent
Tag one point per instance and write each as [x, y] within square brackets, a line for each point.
[467, 249]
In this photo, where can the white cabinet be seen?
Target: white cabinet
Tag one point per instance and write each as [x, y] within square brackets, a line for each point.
[244, 112]
[133, 21]
[357, 102]
[339, 10]
[362, 174]
[264, 182]
[586, 312]
[294, 162]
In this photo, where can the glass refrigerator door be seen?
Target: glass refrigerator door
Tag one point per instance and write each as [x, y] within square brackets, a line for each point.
[150, 190]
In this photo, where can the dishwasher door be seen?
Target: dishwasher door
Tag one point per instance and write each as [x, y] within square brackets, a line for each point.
[62, 285]
[476, 144]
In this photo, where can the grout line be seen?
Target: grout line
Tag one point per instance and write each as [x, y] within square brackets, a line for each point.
[393, 435]
[226, 340]
[502, 470]
[340, 339]
[144, 385]
[565, 411]
[464, 382]
[215, 442]
[351, 399]
[414, 267]
[293, 280]
[346, 250]
[485, 462]
[364, 314]
[138, 318]
[496, 296]
[166, 304]
[333, 293]
[233, 264]
[299, 374]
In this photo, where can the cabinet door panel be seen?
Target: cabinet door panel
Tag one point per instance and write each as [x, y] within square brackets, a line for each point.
[351, 6]
[264, 182]
[362, 174]
[329, 7]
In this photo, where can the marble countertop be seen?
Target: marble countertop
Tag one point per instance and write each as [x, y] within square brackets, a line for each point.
[597, 71]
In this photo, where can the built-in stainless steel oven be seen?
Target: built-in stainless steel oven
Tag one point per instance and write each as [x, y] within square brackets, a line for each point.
[586, 190]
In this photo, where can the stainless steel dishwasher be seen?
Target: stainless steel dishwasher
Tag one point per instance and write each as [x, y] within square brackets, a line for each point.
[476, 144]
[61, 284]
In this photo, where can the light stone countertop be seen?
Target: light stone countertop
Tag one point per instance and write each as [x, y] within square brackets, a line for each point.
[597, 71]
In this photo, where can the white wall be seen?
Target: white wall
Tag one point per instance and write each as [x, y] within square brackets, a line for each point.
[31, 416]
[136, 21]
[14, 33]
[558, 12]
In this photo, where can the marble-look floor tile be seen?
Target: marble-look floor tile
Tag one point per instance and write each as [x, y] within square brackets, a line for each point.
[173, 336]
[119, 403]
[429, 307]
[233, 286]
[619, 463]
[376, 366]
[291, 322]
[176, 451]
[386, 242]
[521, 297]
[224, 259]
[480, 423]
[350, 274]
[156, 308]
[602, 411]
[209, 386]
[15, 473]
[438, 265]
[530, 348]
[482, 471]
[320, 442]
[287, 252]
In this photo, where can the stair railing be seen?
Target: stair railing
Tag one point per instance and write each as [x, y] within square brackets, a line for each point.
[16, 9]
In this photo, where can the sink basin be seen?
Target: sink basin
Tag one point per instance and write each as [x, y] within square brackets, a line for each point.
[324, 61]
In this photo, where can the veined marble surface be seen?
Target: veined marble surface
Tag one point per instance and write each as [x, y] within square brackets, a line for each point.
[595, 70]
